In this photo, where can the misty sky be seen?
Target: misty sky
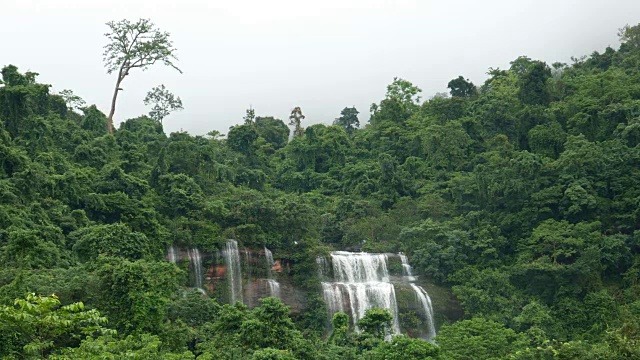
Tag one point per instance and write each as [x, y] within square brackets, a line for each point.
[320, 55]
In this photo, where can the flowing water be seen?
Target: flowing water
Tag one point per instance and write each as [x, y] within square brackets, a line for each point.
[361, 281]
[323, 267]
[269, 257]
[196, 263]
[274, 288]
[406, 268]
[234, 275]
[247, 262]
[273, 285]
[425, 301]
[352, 282]
[172, 254]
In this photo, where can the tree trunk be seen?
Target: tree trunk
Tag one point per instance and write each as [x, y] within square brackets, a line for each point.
[113, 102]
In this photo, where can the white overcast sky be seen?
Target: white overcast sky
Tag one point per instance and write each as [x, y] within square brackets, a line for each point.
[320, 55]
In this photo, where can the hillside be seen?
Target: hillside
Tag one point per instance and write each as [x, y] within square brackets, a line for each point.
[521, 196]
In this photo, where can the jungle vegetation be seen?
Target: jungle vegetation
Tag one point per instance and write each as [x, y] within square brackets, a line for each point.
[521, 194]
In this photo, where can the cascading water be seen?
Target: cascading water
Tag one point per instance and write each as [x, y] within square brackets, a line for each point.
[195, 261]
[269, 257]
[172, 254]
[353, 282]
[406, 268]
[273, 285]
[274, 288]
[323, 267]
[234, 274]
[421, 295]
[425, 301]
[361, 282]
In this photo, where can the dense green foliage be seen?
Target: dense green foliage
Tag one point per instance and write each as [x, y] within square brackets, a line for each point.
[522, 195]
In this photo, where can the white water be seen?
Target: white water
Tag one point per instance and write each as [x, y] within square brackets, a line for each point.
[323, 267]
[361, 282]
[172, 254]
[234, 275]
[425, 301]
[274, 288]
[196, 263]
[406, 268]
[359, 267]
[334, 297]
[274, 285]
[269, 256]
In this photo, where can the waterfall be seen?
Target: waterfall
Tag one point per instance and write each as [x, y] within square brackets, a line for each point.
[269, 256]
[333, 296]
[274, 288]
[247, 262]
[359, 267]
[196, 263]
[361, 282]
[425, 301]
[273, 285]
[406, 268]
[172, 254]
[323, 267]
[234, 274]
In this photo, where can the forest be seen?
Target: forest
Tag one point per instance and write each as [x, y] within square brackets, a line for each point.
[521, 196]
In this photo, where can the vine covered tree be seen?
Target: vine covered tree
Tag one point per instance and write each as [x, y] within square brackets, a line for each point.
[348, 119]
[72, 100]
[403, 91]
[37, 325]
[163, 101]
[630, 35]
[295, 119]
[134, 45]
[250, 117]
[461, 87]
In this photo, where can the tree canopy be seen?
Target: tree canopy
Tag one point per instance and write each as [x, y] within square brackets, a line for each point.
[520, 196]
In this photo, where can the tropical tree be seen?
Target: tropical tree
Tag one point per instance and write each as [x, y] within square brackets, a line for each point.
[241, 138]
[250, 116]
[110, 240]
[533, 84]
[135, 294]
[630, 35]
[403, 91]
[295, 119]
[478, 338]
[138, 346]
[348, 119]
[274, 131]
[460, 87]
[36, 325]
[163, 101]
[134, 45]
[403, 347]
[340, 334]
[376, 322]
[73, 101]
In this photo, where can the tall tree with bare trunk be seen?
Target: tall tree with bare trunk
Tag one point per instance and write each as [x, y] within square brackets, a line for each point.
[295, 119]
[134, 45]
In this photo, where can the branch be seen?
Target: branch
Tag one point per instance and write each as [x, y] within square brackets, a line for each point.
[133, 42]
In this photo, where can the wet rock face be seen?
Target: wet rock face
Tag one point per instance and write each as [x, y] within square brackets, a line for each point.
[240, 274]
[351, 282]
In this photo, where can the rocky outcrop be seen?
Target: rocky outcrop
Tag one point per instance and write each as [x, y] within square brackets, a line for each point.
[351, 282]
